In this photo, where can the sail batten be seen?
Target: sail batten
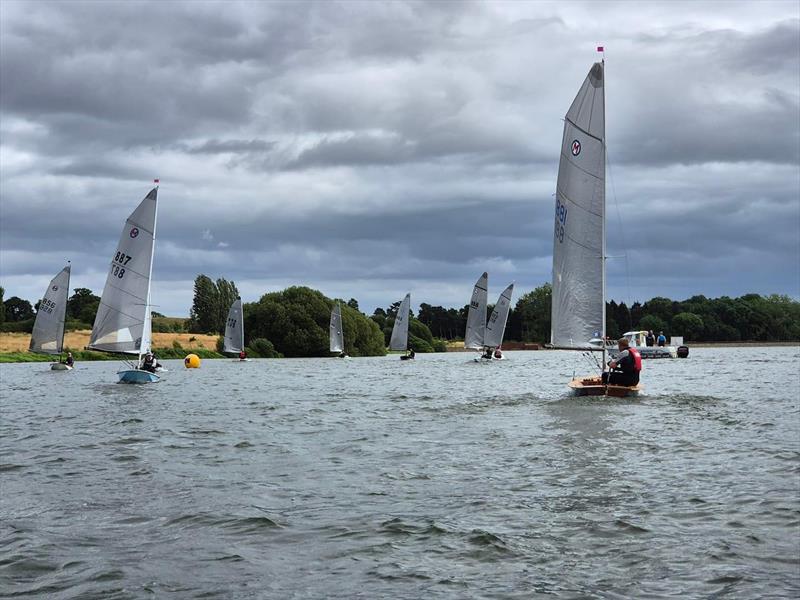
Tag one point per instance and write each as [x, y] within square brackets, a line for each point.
[47, 336]
[233, 341]
[123, 321]
[476, 317]
[336, 332]
[399, 339]
[578, 244]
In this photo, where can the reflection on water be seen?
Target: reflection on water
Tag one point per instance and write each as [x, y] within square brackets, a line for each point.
[380, 478]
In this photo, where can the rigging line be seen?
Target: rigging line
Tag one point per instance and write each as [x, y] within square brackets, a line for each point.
[622, 230]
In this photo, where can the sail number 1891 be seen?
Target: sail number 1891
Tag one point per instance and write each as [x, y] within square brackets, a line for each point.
[561, 220]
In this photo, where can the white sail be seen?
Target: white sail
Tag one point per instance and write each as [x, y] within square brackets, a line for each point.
[234, 329]
[337, 334]
[122, 323]
[578, 246]
[496, 325]
[399, 339]
[476, 317]
[48, 329]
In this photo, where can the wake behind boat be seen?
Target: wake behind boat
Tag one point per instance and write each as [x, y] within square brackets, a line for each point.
[123, 324]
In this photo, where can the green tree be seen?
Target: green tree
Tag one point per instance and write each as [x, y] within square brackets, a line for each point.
[652, 322]
[17, 309]
[226, 296]
[532, 314]
[2, 306]
[687, 324]
[204, 312]
[83, 305]
[297, 320]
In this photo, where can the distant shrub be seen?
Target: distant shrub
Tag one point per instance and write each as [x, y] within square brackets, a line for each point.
[17, 326]
[192, 339]
[262, 348]
[176, 345]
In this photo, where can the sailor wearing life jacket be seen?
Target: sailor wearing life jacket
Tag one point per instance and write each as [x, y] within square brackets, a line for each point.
[625, 368]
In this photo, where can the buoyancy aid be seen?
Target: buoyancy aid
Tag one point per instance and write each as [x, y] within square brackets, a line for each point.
[637, 359]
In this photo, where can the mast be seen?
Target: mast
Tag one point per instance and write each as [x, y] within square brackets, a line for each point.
[148, 319]
[603, 252]
[241, 318]
[64, 324]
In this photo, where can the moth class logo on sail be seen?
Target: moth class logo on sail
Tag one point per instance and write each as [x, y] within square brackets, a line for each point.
[134, 232]
[576, 147]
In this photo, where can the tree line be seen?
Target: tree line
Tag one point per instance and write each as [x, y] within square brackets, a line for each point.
[294, 322]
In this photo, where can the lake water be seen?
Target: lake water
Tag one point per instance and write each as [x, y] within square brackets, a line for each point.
[376, 478]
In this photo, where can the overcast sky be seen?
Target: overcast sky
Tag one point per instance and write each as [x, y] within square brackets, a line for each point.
[368, 149]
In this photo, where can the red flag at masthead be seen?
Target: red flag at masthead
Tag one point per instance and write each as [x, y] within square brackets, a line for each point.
[156, 180]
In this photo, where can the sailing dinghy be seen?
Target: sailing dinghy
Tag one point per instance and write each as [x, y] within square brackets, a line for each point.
[399, 339]
[483, 336]
[579, 244]
[496, 325]
[233, 342]
[48, 329]
[123, 322]
[337, 332]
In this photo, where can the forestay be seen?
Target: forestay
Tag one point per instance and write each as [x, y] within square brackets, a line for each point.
[476, 317]
[399, 339]
[48, 329]
[496, 325]
[337, 335]
[234, 329]
[122, 323]
[578, 246]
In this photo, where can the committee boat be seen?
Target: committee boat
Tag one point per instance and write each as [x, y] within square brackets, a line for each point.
[123, 324]
[48, 328]
[579, 241]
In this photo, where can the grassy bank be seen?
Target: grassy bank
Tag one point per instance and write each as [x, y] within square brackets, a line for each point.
[88, 355]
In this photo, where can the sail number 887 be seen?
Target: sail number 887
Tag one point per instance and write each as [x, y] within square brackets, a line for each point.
[118, 264]
[561, 220]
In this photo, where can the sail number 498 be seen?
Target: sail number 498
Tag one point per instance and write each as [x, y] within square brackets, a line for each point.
[561, 220]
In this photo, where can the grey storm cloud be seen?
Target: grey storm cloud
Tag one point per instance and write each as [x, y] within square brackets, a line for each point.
[371, 147]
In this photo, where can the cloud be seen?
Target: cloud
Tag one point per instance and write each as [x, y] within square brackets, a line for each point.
[374, 148]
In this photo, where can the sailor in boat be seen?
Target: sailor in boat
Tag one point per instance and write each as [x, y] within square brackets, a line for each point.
[625, 368]
[497, 353]
[242, 355]
[662, 340]
[650, 340]
[343, 354]
[410, 354]
[69, 360]
[487, 353]
[148, 363]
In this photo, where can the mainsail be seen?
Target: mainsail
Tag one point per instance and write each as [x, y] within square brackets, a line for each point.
[337, 335]
[476, 318]
[48, 329]
[579, 242]
[496, 325]
[234, 329]
[122, 323]
[399, 340]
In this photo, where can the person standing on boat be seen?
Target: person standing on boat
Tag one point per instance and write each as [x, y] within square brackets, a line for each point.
[625, 368]
[242, 355]
[650, 339]
[662, 340]
[69, 361]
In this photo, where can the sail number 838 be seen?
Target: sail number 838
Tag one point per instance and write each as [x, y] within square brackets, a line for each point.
[561, 220]
[118, 264]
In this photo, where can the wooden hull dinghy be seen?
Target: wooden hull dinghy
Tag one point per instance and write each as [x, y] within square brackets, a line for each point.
[594, 386]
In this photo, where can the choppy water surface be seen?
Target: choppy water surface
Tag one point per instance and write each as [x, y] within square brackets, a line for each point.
[375, 478]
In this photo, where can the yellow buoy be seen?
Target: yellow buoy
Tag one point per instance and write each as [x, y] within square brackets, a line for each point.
[192, 361]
